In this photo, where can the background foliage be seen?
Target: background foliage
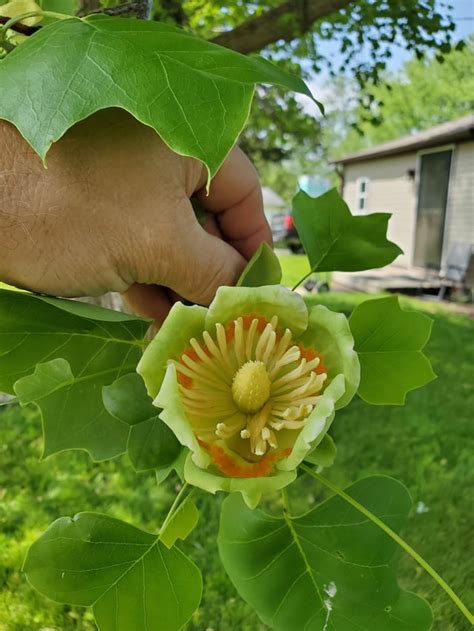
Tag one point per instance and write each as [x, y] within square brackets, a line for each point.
[424, 93]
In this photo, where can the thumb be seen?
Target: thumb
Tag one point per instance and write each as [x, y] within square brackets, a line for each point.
[198, 263]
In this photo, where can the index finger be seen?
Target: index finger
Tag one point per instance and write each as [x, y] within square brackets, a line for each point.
[235, 197]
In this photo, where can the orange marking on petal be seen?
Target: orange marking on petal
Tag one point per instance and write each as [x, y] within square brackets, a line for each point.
[235, 467]
[310, 354]
[230, 332]
[247, 321]
[191, 353]
[184, 380]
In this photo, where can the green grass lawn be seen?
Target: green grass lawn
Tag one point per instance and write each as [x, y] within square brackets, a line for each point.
[294, 267]
[428, 445]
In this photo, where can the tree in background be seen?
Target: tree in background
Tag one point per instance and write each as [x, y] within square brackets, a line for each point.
[426, 92]
[282, 138]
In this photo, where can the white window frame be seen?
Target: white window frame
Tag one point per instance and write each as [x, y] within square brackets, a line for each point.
[362, 196]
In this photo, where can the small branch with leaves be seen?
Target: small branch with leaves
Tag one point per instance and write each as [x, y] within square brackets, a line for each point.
[141, 9]
[24, 29]
[285, 22]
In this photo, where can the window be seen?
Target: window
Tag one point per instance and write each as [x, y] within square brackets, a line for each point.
[362, 184]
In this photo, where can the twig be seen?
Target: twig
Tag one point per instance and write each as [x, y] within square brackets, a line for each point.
[24, 29]
[87, 6]
[141, 9]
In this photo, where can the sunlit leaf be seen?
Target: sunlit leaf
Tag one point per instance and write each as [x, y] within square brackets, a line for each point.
[132, 580]
[195, 94]
[79, 348]
[151, 444]
[263, 269]
[181, 524]
[335, 240]
[330, 569]
[389, 342]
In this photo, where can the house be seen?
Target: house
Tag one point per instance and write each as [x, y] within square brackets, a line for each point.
[426, 180]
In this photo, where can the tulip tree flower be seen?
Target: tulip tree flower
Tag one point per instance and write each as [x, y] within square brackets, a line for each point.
[250, 385]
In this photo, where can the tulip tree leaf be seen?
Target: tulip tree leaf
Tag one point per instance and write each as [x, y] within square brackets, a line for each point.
[263, 269]
[129, 577]
[73, 350]
[72, 415]
[181, 524]
[328, 569]
[177, 466]
[335, 240]
[151, 444]
[324, 454]
[389, 342]
[127, 400]
[194, 94]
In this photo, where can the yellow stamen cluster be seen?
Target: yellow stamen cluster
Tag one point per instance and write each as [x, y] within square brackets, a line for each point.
[248, 388]
[251, 387]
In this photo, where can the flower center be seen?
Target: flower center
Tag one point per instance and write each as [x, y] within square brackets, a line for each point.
[251, 387]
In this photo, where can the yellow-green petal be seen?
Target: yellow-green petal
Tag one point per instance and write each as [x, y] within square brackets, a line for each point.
[252, 489]
[174, 415]
[233, 302]
[316, 425]
[329, 333]
[172, 339]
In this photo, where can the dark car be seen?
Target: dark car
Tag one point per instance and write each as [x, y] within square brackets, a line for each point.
[284, 232]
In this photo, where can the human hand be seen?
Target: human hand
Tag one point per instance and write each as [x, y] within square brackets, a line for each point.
[112, 213]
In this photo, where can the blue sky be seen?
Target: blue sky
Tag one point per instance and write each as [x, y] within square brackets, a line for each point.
[463, 14]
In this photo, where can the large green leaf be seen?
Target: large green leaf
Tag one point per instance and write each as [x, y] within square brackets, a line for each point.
[73, 417]
[335, 240]
[195, 94]
[389, 342]
[73, 349]
[132, 580]
[263, 269]
[151, 444]
[330, 569]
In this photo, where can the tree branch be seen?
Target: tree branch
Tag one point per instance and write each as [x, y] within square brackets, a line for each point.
[24, 29]
[285, 22]
[141, 9]
[87, 6]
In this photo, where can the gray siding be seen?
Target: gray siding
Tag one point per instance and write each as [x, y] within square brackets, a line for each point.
[389, 190]
[460, 210]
